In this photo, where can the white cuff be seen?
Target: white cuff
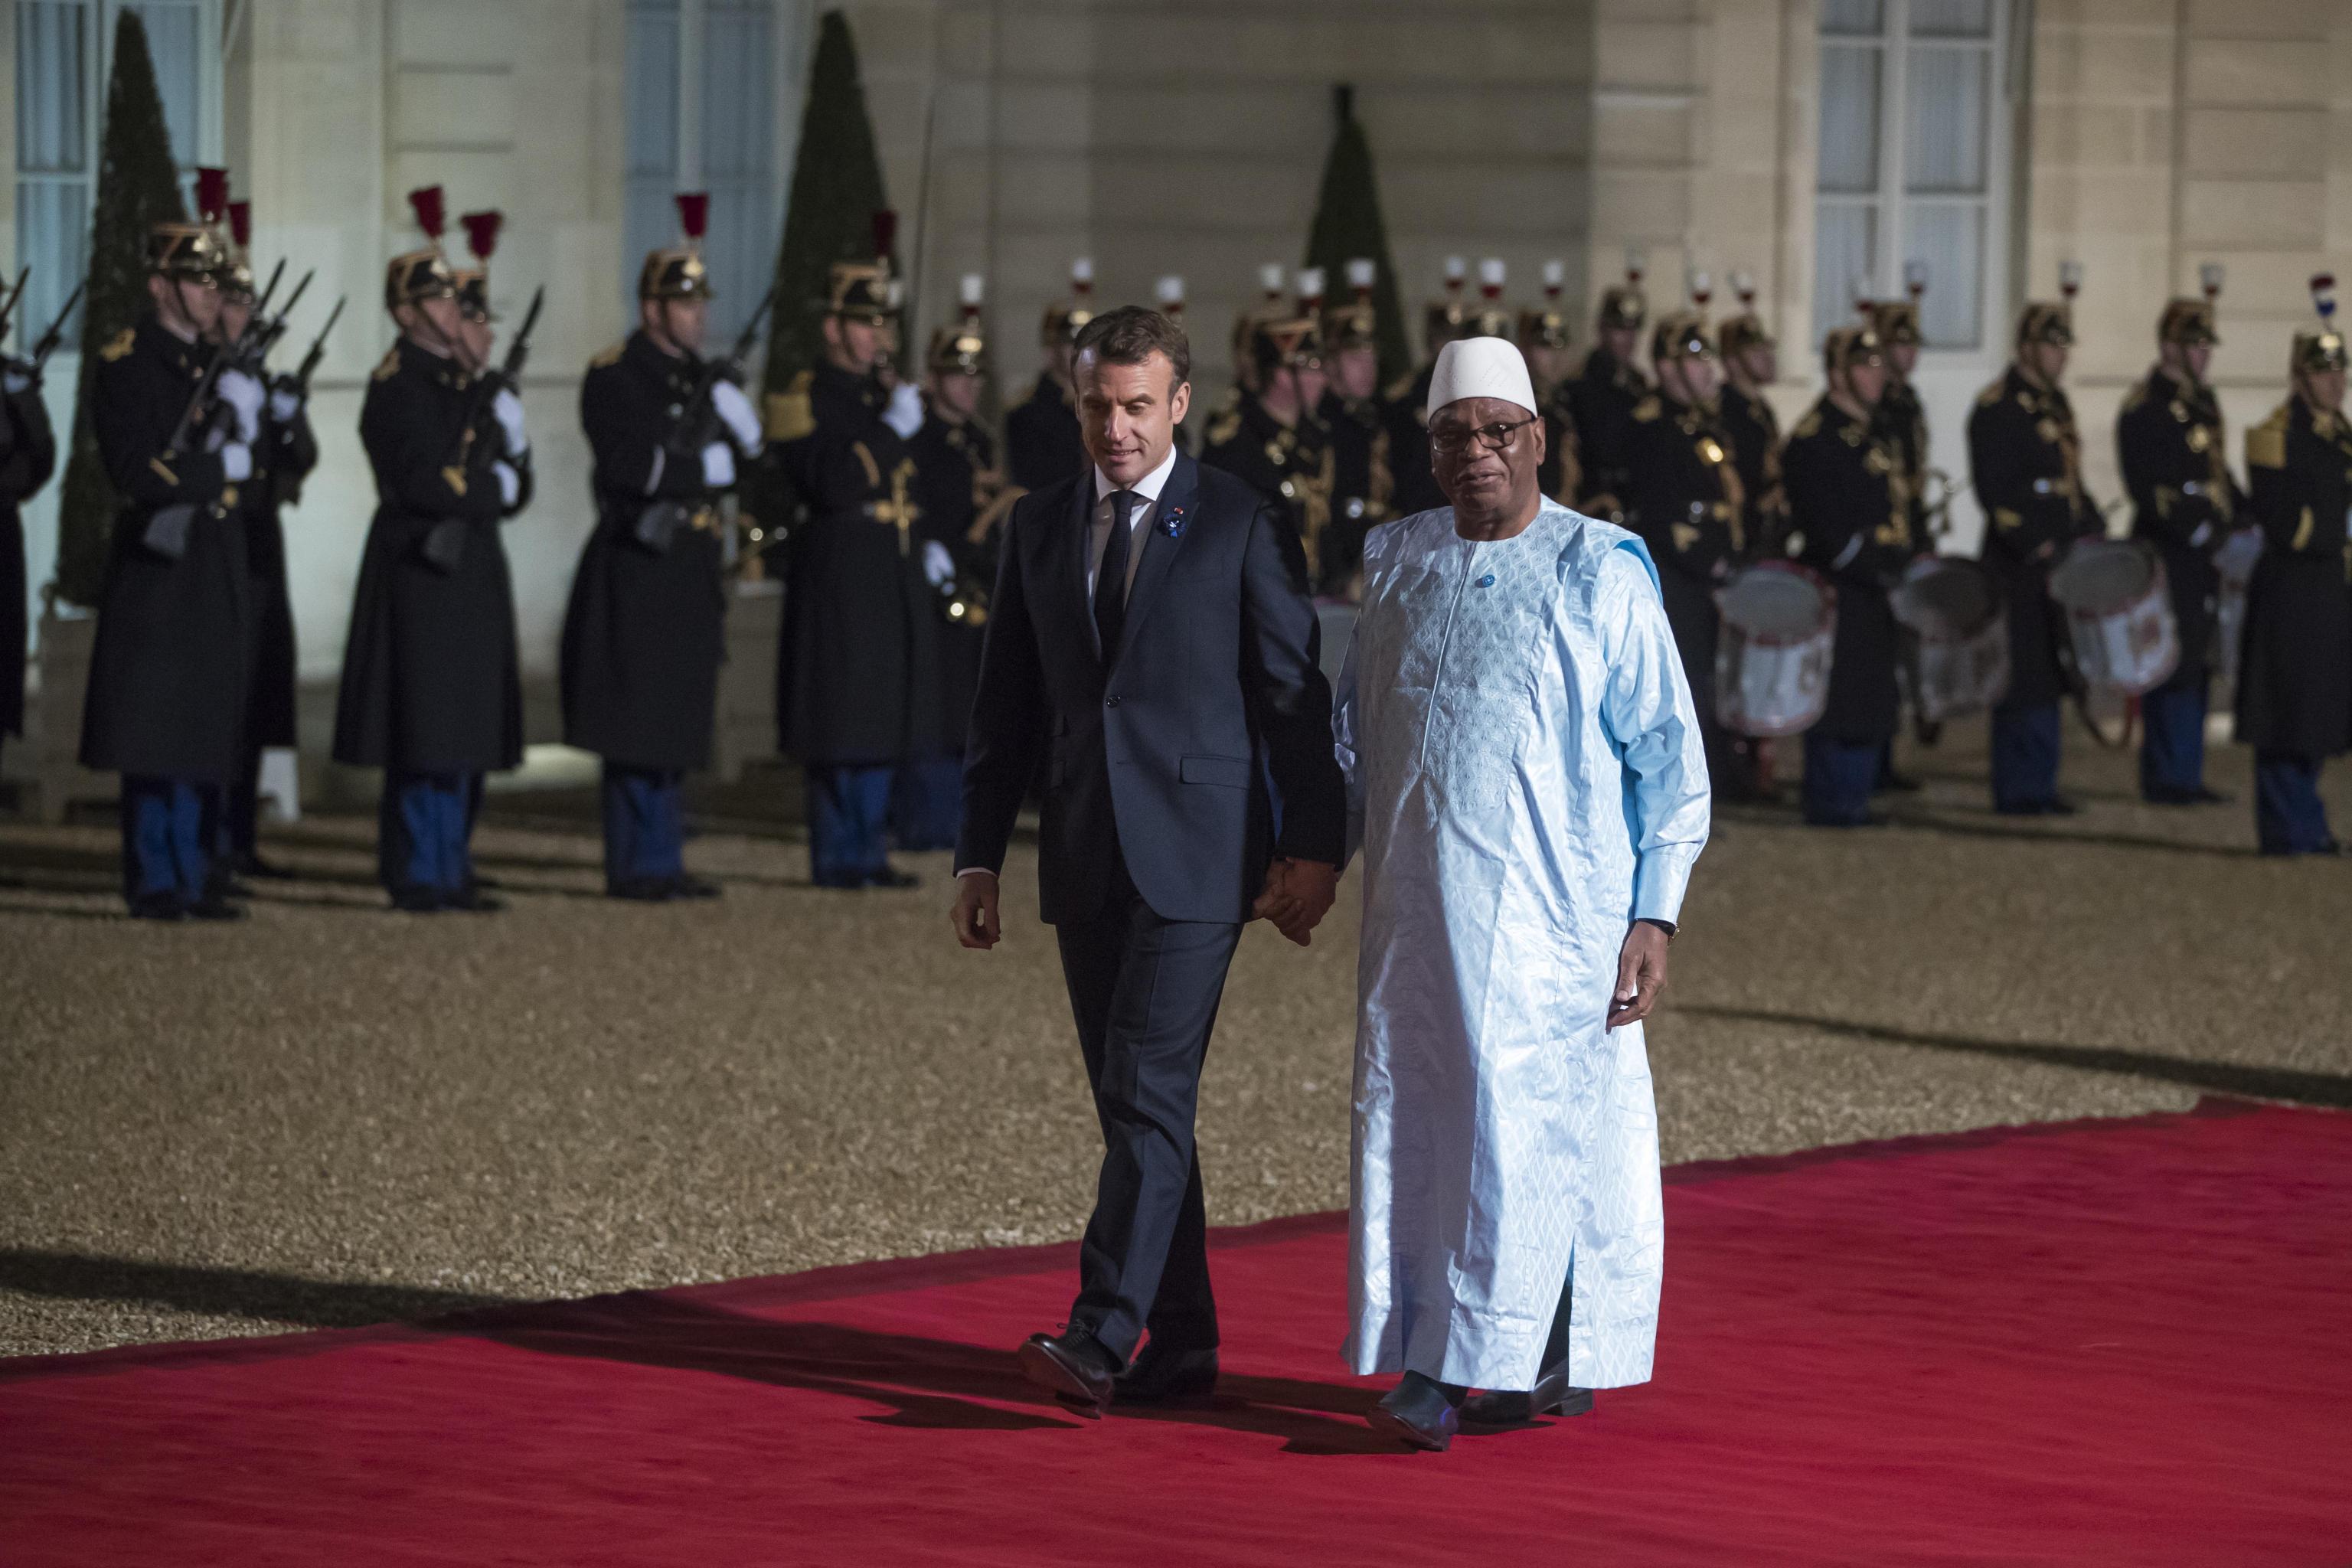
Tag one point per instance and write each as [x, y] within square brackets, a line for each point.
[510, 481]
[237, 462]
[1659, 883]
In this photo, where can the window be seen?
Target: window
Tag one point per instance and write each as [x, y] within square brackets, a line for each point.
[64, 50]
[1909, 154]
[702, 115]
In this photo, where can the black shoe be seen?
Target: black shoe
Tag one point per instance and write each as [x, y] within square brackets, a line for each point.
[212, 906]
[1552, 1395]
[1899, 784]
[158, 906]
[689, 886]
[253, 864]
[473, 901]
[1419, 1414]
[1169, 1376]
[2059, 806]
[891, 876]
[643, 890]
[1074, 1366]
[228, 887]
[2206, 796]
[417, 900]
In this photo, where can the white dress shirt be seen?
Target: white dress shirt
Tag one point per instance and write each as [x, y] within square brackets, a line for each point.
[1138, 525]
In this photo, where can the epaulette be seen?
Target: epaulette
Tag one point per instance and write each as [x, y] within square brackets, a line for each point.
[2137, 396]
[388, 367]
[608, 356]
[2266, 442]
[790, 416]
[1807, 427]
[1648, 410]
[1993, 393]
[1396, 391]
[1225, 426]
[119, 344]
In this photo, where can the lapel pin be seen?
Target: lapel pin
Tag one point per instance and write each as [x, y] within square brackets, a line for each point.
[1173, 525]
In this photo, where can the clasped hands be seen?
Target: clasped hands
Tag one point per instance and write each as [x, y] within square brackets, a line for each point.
[1298, 894]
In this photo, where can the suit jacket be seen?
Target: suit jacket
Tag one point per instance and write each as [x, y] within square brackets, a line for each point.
[1198, 749]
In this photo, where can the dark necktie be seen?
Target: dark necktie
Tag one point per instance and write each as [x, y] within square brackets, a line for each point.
[1110, 576]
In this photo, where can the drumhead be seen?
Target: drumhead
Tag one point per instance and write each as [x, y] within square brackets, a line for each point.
[1774, 603]
[2101, 576]
[1946, 600]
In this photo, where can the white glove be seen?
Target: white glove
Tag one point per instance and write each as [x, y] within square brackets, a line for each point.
[719, 466]
[734, 411]
[16, 382]
[938, 564]
[905, 412]
[509, 408]
[284, 403]
[244, 394]
[237, 462]
[509, 482]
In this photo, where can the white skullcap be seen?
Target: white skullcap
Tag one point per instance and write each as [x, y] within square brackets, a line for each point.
[1481, 367]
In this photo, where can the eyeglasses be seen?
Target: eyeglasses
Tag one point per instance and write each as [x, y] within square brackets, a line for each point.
[1455, 439]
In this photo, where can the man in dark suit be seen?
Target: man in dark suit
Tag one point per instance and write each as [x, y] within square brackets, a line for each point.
[1151, 630]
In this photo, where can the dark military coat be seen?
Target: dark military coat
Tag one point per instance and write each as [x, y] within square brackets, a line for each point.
[955, 486]
[1363, 490]
[283, 458]
[858, 683]
[1404, 414]
[1601, 401]
[644, 631]
[167, 679]
[28, 455]
[1846, 499]
[1041, 439]
[1900, 423]
[1752, 431]
[1561, 475]
[2170, 439]
[432, 681]
[1684, 499]
[2295, 680]
[1289, 465]
[2025, 461]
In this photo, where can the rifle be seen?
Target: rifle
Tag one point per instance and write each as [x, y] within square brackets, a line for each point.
[509, 375]
[50, 339]
[318, 350]
[714, 370]
[200, 406]
[274, 328]
[16, 297]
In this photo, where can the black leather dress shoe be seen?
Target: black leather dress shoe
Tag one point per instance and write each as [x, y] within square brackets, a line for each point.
[1551, 1395]
[473, 901]
[1073, 1365]
[690, 887]
[158, 906]
[1417, 1414]
[1898, 783]
[1169, 1376]
[417, 900]
[212, 906]
[268, 870]
[891, 876]
[643, 890]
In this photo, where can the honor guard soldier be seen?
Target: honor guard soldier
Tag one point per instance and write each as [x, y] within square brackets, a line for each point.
[963, 498]
[1751, 361]
[432, 686]
[1846, 498]
[2026, 460]
[2294, 681]
[28, 455]
[645, 630]
[1169, 292]
[1041, 437]
[2170, 439]
[1544, 339]
[283, 458]
[857, 688]
[1604, 396]
[1273, 441]
[1685, 501]
[1362, 488]
[167, 681]
[1902, 429]
[1271, 307]
[1407, 417]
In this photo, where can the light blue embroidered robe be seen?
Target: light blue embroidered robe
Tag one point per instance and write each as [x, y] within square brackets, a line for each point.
[1525, 778]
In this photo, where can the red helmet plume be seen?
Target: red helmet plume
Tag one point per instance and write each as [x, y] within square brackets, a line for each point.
[694, 214]
[240, 224]
[482, 231]
[426, 201]
[212, 195]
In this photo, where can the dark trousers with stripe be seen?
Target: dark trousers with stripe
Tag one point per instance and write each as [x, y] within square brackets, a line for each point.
[1838, 778]
[425, 831]
[926, 804]
[2289, 816]
[2172, 741]
[167, 837]
[2025, 751]
[644, 824]
[848, 817]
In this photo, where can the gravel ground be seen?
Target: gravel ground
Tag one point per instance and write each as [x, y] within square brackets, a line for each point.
[334, 1114]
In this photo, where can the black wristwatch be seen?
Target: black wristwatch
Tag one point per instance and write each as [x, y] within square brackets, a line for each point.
[1666, 926]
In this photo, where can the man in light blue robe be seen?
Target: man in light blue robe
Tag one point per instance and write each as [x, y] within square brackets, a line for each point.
[1526, 779]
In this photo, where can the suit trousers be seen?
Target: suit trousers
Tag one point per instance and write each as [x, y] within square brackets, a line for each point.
[1145, 992]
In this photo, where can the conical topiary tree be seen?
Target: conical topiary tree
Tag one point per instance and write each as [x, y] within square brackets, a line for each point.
[1348, 225]
[138, 187]
[836, 191]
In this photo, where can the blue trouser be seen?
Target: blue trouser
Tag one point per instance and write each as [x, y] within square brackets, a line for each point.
[164, 850]
[2289, 816]
[425, 828]
[644, 824]
[2024, 757]
[2172, 741]
[926, 804]
[1839, 777]
[848, 810]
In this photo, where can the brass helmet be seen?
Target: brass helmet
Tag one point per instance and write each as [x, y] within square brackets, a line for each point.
[1295, 343]
[962, 349]
[1680, 335]
[420, 275]
[474, 282]
[185, 252]
[1895, 321]
[1357, 323]
[676, 271]
[2321, 350]
[1547, 328]
[2189, 323]
[865, 291]
[1848, 347]
[1065, 318]
[1622, 304]
[1747, 329]
[1492, 318]
[1446, 319]
[2043, 322]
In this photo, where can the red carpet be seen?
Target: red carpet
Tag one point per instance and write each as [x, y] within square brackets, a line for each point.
[2102, 1343]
